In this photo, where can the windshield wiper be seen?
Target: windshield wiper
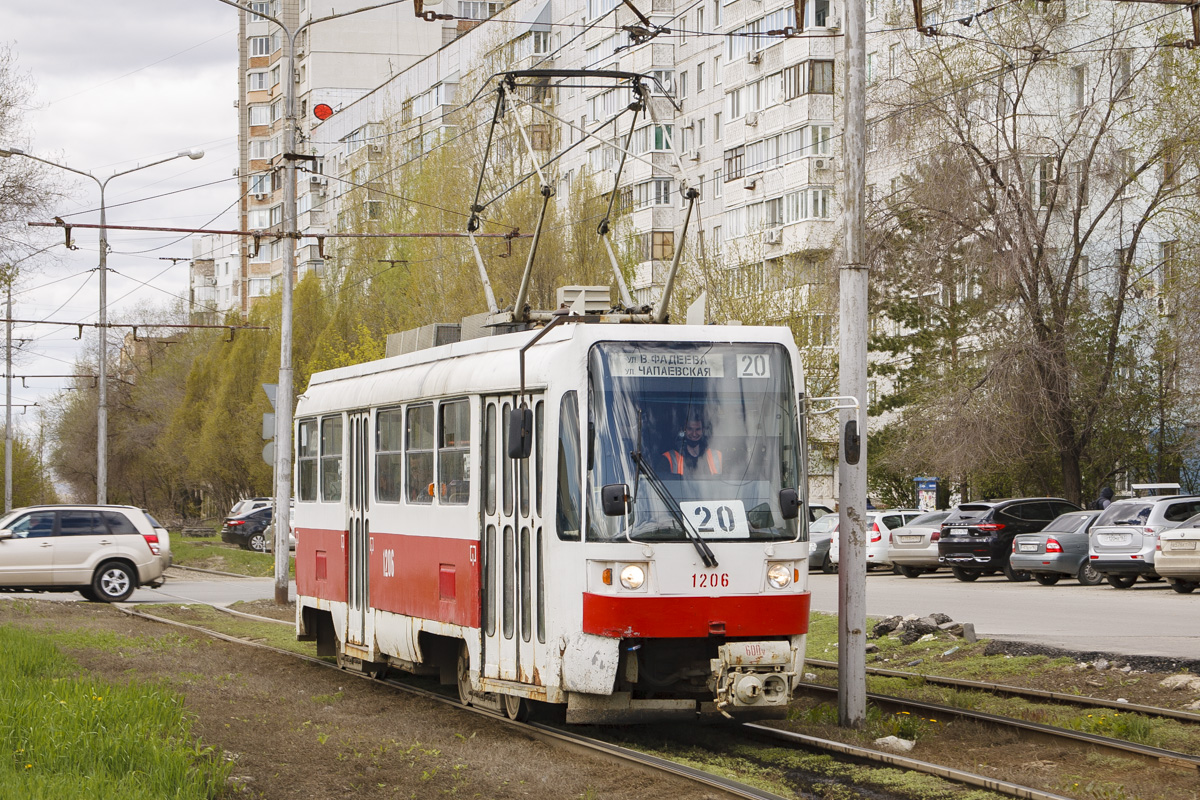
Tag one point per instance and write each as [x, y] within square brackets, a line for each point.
[706, 553]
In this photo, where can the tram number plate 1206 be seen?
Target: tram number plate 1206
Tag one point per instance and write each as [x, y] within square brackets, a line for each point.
[717, 519]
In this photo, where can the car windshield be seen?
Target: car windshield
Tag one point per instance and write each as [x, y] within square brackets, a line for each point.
[1068, 523]
[713, 427]
[968, 513]
[932, 518]
[1127, 513]
[825, 524]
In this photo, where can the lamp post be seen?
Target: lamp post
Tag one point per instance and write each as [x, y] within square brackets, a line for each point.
[283, 392]
[102, 383]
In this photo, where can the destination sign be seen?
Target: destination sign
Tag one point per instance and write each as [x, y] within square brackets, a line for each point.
[667, 365]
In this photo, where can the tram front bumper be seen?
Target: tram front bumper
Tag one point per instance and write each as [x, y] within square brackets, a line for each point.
[753, 674]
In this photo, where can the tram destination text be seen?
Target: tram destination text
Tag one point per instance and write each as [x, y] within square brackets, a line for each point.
[668, 365]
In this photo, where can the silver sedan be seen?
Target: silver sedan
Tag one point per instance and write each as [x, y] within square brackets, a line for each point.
[913, 548]
[1061, 548]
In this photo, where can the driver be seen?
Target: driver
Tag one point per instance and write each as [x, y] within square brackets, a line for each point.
[694, 456]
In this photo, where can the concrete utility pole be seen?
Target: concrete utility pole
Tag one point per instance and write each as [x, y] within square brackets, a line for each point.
[852, 472]
[102, 401]
[284, 394]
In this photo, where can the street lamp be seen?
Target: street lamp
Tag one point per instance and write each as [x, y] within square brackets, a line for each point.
[102, 410]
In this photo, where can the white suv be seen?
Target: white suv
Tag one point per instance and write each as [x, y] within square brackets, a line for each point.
[102, 552]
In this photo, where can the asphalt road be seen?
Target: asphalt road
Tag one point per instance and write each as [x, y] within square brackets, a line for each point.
[185, 586]
[1148, 619]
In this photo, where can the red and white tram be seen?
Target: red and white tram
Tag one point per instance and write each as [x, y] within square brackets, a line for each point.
[647, 557]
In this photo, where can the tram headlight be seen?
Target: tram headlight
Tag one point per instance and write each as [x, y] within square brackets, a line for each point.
[779, 576]
[633, 576]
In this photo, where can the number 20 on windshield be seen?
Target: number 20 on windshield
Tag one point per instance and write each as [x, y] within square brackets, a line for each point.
[753, 365]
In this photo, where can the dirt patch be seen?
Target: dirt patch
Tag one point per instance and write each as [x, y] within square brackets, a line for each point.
[267, 608]
[298, 730]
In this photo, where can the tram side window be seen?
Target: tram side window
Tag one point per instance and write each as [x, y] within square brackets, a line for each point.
[306, 460]
[389, 442]
[419, 441]
[331, 459]
[539, 422]
[569, 493]
[454, 452]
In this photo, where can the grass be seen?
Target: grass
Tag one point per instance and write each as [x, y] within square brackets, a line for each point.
[73, 736]
[209, 552]
[281, 636]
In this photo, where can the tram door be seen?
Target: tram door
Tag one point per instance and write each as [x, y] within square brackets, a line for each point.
[513, 599]
[358, 507]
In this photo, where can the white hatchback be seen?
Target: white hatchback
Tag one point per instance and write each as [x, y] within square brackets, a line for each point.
[913, 548]
[879, 528]
[102, 552]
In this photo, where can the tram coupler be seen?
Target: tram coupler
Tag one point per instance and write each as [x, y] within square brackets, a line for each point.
[752, 674]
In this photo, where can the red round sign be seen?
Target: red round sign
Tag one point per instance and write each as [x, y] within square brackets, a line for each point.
[322, 111]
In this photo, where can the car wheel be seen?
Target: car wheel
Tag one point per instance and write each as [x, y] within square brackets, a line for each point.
[88, 594]
[1120, 581]
[1014, 575]
[113, 582]
[257, 542]
[966, 575]
[1183, 587]
[909, 572]
[1088, 576]
[827, 566]
[1047, 578]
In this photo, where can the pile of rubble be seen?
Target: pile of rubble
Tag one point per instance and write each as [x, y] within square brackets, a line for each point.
[913, 628]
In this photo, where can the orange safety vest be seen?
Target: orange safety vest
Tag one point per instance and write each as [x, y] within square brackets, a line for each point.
[675, 459]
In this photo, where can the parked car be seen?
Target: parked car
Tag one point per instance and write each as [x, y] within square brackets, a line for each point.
[164, 540]
[249, 529]
[818, 510]
[1124, 540]
[1061, 548]
[912, 548]
[820, 534]
[103, 552]
[977, 537]
[879, 525]
[249, 504]
[1178, 556]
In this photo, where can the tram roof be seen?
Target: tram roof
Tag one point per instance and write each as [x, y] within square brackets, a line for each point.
[470, 366]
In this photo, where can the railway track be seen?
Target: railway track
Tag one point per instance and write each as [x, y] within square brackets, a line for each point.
[1020, 691]
[573, 740]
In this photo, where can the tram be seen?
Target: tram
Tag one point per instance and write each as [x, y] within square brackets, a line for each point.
[610, 518]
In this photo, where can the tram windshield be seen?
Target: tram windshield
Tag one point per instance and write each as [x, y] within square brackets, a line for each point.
[703, 435]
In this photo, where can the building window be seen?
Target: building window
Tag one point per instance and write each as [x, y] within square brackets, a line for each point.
[700, 77]
[478, 9]
[735, 163]
[257, 81]
[718, 184]
[331, 459]
[820, 77]
[260, 46]
[260, 115]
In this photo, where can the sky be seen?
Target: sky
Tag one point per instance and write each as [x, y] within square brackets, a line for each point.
[115, 86]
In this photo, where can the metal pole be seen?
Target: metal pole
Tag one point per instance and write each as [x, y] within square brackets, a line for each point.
[852, 478]
[283, 393]
[102, 383]
[8, 469]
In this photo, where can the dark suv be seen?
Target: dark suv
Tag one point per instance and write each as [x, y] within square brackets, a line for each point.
[977, 537]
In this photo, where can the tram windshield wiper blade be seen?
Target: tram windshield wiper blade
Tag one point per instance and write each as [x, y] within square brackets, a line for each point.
[706, 553]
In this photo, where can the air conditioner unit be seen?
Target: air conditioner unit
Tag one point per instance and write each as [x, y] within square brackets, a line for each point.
[750, 182]
[375, 149]
[751, 118]
[833, 23]
[822, 163]
[753, 56]
[317, 179]
[692, 155]
[260, 196]
[210, 281]
[773, 236]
